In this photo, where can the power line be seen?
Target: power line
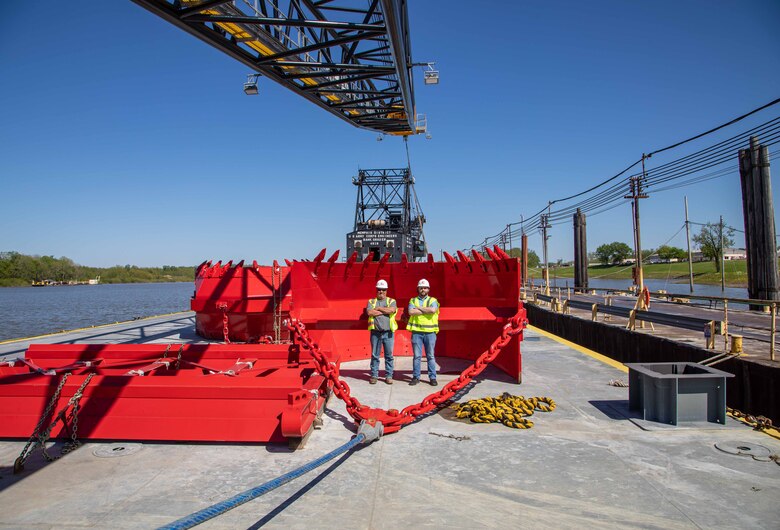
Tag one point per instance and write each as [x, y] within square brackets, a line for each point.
[691, 165]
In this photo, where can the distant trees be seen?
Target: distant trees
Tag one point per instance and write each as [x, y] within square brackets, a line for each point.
[709, 241]
[668, 253]
[533, 259]
[19, 269]
[613, 253]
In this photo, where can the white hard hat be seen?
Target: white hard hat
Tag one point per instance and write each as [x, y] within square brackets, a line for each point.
[381, 284]
[423, 283]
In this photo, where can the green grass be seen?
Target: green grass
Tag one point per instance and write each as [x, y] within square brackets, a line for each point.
[703, 272]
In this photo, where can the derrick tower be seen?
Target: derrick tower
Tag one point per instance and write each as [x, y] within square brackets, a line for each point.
[388, 217]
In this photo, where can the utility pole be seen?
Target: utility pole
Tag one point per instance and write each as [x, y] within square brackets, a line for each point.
[688, 237]
[509, 231]
[635, 189]
[722, 259]
[544, 226]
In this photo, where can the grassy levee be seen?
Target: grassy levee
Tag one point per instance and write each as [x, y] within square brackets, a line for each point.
[703, 272]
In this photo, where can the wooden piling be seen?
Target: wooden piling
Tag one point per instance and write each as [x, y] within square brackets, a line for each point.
[758, 211]
[580, 253]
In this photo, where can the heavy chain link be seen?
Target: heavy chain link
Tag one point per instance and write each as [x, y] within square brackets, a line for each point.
[39, 438]
[225, 331]
[73, 417]
[36, 435]
[394, 419]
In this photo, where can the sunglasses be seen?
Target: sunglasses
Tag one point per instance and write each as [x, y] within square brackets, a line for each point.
[381, 290]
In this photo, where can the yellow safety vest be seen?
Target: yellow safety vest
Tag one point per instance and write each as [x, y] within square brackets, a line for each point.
[393, 323]
[425, 323]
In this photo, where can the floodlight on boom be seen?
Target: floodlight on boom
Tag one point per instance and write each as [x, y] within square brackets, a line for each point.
[250, 87]
[431, 75]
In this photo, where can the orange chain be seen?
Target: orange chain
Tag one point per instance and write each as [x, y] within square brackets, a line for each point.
[393, 419]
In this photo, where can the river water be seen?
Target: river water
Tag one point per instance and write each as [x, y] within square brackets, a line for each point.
[654, 285]
[29, 311]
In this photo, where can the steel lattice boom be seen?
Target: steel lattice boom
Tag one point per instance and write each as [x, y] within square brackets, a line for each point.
[351, 57]
[388, 217]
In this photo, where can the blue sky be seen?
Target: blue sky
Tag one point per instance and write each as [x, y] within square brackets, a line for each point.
[126, 141]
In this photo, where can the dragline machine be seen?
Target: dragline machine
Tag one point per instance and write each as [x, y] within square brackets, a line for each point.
[388, 218]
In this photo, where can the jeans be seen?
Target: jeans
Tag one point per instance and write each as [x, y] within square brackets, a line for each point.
[381, 339]
[428, 340]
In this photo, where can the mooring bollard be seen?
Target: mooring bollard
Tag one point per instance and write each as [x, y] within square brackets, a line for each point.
[736, 344]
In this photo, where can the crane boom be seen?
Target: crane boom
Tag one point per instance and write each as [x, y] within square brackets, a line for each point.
[350, 57]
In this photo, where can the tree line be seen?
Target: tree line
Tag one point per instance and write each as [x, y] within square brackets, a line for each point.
[708, 240]
[20, 270]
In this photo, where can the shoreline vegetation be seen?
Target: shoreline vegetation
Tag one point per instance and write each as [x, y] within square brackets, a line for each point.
[735, 272]
[20, 270]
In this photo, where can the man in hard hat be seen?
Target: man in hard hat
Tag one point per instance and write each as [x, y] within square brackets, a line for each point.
[423, 314]
[382, 325]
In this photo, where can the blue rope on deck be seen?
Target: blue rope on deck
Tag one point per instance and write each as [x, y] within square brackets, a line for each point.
[219, 508]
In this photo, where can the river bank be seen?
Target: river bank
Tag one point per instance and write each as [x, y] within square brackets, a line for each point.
[735, 272]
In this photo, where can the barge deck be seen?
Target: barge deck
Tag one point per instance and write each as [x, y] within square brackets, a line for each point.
[588, 463]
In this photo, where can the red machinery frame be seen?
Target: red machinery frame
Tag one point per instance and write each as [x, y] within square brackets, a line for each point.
[211, 392]
[268, 391]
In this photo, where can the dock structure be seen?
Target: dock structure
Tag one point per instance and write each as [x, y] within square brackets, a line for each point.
[590, 462]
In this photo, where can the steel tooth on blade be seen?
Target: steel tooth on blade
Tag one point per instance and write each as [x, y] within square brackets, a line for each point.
[500, 252]
[494, 259]
[449, 259]
[465, 260]
[334, 257]
[404, 261]
[479, 259]
[288, 262]
[492, 254]
[318, 259]
[351, 261]
[504, 256]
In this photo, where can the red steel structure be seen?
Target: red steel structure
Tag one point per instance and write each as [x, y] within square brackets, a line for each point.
[266, 383]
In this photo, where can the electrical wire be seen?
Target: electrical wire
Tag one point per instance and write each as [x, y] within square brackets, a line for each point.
[684, 171]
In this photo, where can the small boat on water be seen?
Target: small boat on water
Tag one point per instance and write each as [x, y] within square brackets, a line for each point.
[49, 283]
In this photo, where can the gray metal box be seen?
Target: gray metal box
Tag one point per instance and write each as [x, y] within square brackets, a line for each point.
[677, 392]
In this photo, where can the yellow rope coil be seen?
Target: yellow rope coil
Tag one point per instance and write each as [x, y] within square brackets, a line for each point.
[512, 411]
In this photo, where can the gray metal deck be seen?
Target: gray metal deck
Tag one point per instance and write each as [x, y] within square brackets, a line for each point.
[586, 464]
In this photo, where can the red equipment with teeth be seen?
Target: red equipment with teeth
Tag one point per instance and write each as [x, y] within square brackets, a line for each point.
[295, 324]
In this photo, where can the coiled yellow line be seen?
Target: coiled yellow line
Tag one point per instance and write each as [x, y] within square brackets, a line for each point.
[512, 411]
